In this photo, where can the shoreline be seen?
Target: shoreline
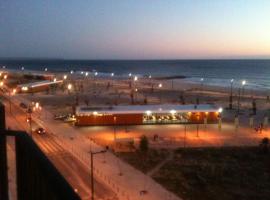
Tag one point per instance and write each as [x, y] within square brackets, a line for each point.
[186, 81]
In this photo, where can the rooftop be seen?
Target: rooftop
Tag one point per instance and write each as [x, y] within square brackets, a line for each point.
[139, 109]
[39, 83]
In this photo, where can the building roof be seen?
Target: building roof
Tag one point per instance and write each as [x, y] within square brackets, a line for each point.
[140, 109]
[39, 84]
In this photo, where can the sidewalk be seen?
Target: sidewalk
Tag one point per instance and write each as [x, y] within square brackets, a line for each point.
[107, 167]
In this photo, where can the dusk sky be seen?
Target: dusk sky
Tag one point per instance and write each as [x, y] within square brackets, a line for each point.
[135, 29]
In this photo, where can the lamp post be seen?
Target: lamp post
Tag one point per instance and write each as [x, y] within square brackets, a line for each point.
[197, 99]
[185, 135]
[243, 83]
[112, 75]
[230, 99]
[29, 120]
[160, 86]
[95, 82]
[114, 129]
[92, 170]
[69, 87]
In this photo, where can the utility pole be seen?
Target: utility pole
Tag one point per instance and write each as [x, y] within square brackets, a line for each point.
[92, 170]
[29, 120]
[231, 99]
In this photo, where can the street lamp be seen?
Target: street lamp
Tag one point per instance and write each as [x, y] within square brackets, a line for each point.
[160, 86]
[29, 119]
[5, 76]
[135, 78]
[202, 80]
[46, 69]
[22, 68]
[69, 87]
[14, 91]
[243, 83]
[114, 128]
[65, 77]
[92, 169]
[230, 99]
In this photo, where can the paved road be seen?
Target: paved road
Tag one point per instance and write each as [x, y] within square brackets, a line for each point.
[72, 169]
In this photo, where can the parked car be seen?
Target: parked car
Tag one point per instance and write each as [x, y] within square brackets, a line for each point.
[22, 105]
[59, 117]
[70, 118]
[40, 131]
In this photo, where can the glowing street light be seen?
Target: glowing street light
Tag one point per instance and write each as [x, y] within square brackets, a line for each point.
[243, 83]
[46, 69]
[5, 76]
[14, 91]
[160, 85]
[37, 105]
[148, 112]
[24, 88]
[129, 74]
[220, 110]
[86, 73]
[71, 71]
[230, 104]
[22, 68]
[1, 83]
[65, 77]
[4, 67]
[54, 80]
[172, 112]
[69, 86]
[96, 73]
[112, 74]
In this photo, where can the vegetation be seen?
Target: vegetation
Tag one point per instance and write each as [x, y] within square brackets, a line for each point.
[142, 162]
[144, 144]
[218, 173]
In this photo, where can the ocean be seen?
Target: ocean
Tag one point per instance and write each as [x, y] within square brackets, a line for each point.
[213, 72]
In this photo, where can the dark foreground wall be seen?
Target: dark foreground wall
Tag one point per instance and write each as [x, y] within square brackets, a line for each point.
[3, 156]
[37, 178]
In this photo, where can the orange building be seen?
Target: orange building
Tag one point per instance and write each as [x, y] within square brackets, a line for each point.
[147, 114]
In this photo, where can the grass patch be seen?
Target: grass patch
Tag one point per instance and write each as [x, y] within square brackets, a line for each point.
[217, 173]
[141, 162]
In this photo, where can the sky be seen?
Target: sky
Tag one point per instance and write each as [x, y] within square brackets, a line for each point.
[135, 29]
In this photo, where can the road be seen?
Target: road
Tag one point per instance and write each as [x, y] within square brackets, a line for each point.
[71, 168]
[107, 167]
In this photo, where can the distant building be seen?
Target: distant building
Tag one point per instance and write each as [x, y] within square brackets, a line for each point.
[147, 114]
[37, 86]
